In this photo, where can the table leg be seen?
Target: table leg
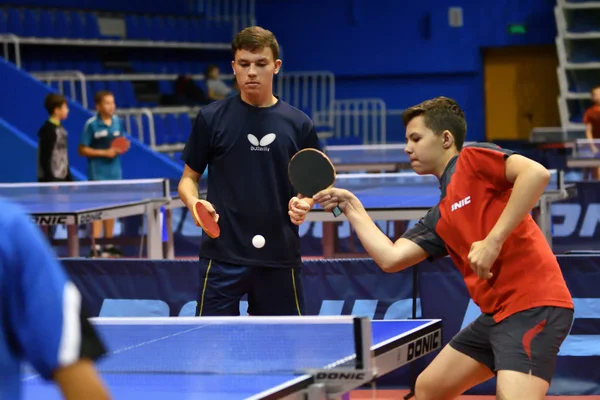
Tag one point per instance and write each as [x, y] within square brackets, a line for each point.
[329, 240]
[543, 218]
[154, 243]
[170, 241]
[72, 240]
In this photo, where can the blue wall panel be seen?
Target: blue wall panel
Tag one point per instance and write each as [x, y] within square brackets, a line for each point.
[404, 52]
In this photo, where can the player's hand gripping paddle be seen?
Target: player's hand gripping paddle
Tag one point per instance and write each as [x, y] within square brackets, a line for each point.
[311, 171]
[205, 220]
[120, 143]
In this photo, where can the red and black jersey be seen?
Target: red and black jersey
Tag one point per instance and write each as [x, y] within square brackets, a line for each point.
[474, 194]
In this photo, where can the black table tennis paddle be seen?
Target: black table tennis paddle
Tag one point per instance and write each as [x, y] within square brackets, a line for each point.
[311, 171]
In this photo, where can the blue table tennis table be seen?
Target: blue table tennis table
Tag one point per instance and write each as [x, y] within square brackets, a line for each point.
[585, 154]
[80, 203]
[227, 358]
[406, 196]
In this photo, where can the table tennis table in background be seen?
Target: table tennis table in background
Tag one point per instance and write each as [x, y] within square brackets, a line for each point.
[586, 154]
[232, 358]
[369, 158]
[406, 196]
[80, 203]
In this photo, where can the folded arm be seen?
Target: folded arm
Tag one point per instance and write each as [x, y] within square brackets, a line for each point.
[529, 180]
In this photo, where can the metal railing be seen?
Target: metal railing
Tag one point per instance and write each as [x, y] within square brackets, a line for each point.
[310, 91]
[132, 115]
[70, 77]
[364, 118]
[6, 39]
[313, 92]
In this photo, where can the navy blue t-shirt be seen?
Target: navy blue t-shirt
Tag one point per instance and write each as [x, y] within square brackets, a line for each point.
[247, 150]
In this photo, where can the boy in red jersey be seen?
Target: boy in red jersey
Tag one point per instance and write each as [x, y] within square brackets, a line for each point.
[509, 269]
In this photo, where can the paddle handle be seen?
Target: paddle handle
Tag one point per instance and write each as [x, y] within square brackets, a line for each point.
[337, 211]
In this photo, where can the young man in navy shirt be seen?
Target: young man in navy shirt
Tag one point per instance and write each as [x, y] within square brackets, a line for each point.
[246, 141]
[508, 266]
[42, 319]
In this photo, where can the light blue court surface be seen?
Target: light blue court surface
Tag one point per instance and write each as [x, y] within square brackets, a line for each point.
[241, 357]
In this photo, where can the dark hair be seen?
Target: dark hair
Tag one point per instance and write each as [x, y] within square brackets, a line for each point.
[209, 69]
[255, 38]
[440, 114]
[100, 95]
[54, 101]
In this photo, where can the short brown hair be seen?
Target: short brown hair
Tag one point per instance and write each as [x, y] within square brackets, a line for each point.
[54, 101]
[440, 114]
[100, 95]
[255, 38]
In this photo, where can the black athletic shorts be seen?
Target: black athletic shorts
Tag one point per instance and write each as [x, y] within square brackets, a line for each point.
[270, 290]
[527, 341]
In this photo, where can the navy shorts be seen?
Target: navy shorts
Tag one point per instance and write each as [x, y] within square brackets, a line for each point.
[270, 291]
[527, 341]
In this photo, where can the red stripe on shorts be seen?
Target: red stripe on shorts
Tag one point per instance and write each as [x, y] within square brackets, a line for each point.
[530, 334]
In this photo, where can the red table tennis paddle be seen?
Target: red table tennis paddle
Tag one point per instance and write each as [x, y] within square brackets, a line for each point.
[205, 220]
[311, 171]
[121, 143]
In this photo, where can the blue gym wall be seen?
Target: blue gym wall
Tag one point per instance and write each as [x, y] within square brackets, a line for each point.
[404, 52]
[22, 105]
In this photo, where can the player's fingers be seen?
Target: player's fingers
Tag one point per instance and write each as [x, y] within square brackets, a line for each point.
[295, 215]
[300, 207]
[292, 202]
[295, 219]
[323, 194]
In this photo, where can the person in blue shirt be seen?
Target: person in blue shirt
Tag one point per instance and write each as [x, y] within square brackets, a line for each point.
[43, 322]
[104, 162]
[247, 141]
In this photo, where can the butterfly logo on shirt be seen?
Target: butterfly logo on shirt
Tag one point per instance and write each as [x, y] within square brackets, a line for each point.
[263, 143]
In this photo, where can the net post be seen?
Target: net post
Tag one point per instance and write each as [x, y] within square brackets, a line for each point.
[167, 188]
[363, 338]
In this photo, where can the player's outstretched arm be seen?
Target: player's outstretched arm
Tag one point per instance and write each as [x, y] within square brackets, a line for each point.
[389, 256]
[529, 180]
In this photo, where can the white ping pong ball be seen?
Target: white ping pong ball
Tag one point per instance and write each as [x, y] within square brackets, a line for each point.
[258, 241]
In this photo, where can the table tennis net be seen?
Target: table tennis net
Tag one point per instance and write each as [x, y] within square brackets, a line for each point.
[142, 188]
[225, 346]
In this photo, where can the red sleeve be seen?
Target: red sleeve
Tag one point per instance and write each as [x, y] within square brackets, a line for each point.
[586, 116]
[488, 163]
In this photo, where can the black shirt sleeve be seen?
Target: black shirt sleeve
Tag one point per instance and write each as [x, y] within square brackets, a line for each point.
[47, 140]
[423, 234]
[311, 139]
[196, 153]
